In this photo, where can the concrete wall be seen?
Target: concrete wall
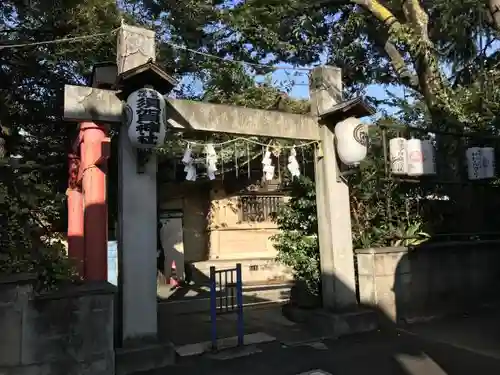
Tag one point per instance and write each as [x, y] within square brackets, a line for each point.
[410, 284]
[192, 200]
[68, 332]
[212, 227]
[230, 238]
[215, 236]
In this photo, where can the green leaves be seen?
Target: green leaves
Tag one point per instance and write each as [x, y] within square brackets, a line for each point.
[337, 33]
[371, 199]
[32, 207]
[297, 243]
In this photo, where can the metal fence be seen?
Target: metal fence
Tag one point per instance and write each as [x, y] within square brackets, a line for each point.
[226, 296]
[451, 205]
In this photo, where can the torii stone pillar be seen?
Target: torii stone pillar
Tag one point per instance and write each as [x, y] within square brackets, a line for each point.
[332, 197]
[137, 209]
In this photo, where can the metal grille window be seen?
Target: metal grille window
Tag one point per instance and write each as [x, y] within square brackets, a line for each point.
[258, 208]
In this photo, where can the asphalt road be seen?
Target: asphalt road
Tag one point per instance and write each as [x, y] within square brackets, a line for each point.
[375, 353]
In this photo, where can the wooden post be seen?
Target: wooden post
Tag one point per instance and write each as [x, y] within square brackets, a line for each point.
[137, 209]
[94, 192]
[332, 197]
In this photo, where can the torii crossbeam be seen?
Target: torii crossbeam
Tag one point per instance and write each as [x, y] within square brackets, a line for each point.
[103, 106]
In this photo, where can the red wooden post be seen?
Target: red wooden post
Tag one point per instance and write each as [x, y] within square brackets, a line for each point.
[76, 249]
[93, 173]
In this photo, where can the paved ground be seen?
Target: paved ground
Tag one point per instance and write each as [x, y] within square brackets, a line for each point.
[377, 354]
[458, 346]
[269, 320]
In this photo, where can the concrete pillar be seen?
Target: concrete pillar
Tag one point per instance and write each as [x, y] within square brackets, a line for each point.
[137, 211]
[332, 197]
[137, 243]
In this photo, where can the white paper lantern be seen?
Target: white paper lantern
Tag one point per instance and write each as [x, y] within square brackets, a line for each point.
[211, 161]
[474, 163]
[145, 118]
[429, 157]
[414, 157]
[293, 165]
[352, 140]
[488, 162]
[267, 167]
[397, 154]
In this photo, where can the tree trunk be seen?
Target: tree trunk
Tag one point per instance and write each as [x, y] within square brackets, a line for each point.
[415, 35]
[494, 14]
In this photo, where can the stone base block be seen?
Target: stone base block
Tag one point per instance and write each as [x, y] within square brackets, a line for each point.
[331, 324]
[145, 357]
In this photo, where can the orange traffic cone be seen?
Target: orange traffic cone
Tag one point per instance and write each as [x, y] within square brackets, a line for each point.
[173, 276]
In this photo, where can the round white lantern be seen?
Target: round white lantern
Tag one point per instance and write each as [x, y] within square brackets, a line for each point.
[145, 118]
[352, 141]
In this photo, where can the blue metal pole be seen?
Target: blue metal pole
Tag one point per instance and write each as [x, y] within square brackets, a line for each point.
[213, 308]
[239, 302]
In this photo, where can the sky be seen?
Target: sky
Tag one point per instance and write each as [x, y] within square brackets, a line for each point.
[296, 84]
[300, 87]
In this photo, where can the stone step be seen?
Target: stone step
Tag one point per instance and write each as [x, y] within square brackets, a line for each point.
[199, 301]
[254, 270]
[334, 324]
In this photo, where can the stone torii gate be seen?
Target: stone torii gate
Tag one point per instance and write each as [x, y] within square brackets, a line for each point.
[138, 191]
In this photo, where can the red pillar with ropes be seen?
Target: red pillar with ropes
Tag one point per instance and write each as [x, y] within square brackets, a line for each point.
[87, 205]
[76, 249]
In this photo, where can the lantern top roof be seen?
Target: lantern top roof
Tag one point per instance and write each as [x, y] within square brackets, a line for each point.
[356, 107]
[148, 74]
[103, 75]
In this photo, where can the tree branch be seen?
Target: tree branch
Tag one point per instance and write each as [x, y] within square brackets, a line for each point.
[418, 43]
[426, 59]
[418, 19]
[378, 11]
[493, 16]
[395, 56]
[400, 65]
